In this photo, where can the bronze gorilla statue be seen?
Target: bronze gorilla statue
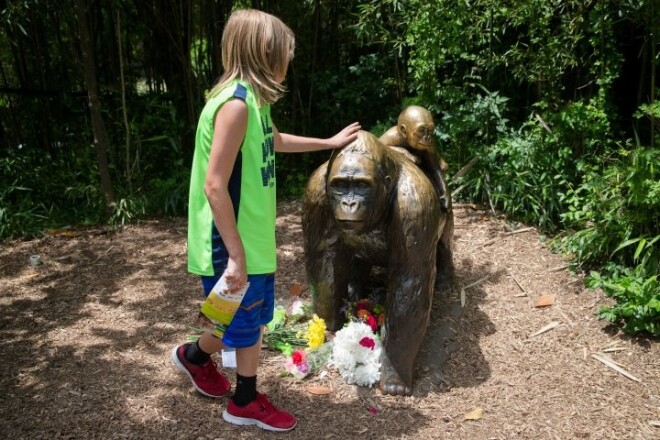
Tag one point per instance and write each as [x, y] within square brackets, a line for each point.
[372, 206]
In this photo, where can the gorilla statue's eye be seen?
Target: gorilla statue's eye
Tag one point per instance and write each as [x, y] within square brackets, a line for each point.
[339, 185]
[362, 185]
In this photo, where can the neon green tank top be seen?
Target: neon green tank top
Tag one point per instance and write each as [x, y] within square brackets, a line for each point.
[251, 188]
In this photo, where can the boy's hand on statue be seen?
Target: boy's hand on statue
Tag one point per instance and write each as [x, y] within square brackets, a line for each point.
[236, 275]
[348, 134]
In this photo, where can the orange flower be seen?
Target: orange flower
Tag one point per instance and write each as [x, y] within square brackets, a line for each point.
[363, 314]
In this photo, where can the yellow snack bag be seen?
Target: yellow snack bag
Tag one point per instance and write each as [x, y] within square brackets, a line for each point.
[220, 305]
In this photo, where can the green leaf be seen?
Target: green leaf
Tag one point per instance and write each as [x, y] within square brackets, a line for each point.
[640, 248]
[625, 244]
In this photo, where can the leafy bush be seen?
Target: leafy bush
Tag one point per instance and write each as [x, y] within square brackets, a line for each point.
[523, 172]
[526, 173]
[614, 212]
[127, 209]
[614, 216]
[169, 195]
[637, 296]
[40, 191]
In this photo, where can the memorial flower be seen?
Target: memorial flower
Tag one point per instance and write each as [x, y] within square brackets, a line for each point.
[297, 365]
[315, 332]
[367, 311]
[356, 354]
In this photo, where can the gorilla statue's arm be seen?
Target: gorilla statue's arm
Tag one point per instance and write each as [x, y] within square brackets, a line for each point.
[326, 258]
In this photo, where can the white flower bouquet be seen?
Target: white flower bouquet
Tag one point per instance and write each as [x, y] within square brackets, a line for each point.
[356, 354]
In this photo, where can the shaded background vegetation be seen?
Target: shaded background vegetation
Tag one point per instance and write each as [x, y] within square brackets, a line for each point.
[545, 110]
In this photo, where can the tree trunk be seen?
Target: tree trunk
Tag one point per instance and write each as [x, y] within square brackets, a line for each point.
[101, 139]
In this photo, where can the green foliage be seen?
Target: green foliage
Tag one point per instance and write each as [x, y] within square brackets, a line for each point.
[472, 123]
[522, 172]
[38, 192]
[169, 195]
[525, 174]
[615, 211]
[614, 216]
[637, 295]
[127, 210]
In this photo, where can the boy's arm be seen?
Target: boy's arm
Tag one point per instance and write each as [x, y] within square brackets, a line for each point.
[288, 143]
[229, 130]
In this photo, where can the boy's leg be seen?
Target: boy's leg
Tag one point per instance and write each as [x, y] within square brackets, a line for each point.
[247, 406]
[194, 359]
[209, 344]
[247, 359]
[247, 363]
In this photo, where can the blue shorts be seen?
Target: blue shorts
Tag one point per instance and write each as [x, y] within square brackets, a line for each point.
[256, 310]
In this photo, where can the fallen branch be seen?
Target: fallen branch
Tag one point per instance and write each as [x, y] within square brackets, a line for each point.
[613, 365]
[506, 234]
[103, 254]
[555, 269]
[546, 328]
[518, 231]
[514, 279]
[469, 205]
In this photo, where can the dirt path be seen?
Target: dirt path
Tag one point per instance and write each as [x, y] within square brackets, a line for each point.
[85, 340]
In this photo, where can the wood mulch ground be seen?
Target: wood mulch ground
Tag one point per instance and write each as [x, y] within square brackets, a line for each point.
[85, 340]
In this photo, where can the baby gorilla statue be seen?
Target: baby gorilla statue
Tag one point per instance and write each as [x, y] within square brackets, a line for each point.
[370, 206]
[413, 136]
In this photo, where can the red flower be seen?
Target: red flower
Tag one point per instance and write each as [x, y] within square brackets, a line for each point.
[372, 323]
[297, 358]
[363, 304]
[367, 342]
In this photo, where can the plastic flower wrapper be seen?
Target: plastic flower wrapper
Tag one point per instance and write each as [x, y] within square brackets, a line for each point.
[356, 354]
[301, 363]
[296, 364]
[285, 333]
[280, 336]
[298, 310]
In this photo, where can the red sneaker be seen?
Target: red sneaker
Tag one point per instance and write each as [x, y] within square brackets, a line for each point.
[205, 378]
[259, 412]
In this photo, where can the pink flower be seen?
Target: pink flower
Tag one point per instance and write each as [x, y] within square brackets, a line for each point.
[373, 410]
[367, 342]
[303, 368]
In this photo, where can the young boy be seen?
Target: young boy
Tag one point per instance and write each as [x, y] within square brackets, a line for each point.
[231, 209]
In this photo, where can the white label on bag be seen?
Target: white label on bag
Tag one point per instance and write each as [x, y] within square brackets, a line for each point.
[229, 358]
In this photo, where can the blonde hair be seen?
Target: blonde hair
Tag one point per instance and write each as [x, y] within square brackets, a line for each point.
[256, 48]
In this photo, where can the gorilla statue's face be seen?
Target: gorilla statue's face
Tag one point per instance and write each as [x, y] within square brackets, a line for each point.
[352, 190]
[420, 135]
[416, 125]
